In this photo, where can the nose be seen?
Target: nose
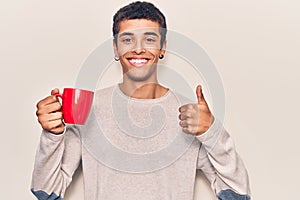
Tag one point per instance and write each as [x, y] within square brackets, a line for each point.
[139, 48]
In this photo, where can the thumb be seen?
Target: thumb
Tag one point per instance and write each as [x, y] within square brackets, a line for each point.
[54, 91]
[199, 93]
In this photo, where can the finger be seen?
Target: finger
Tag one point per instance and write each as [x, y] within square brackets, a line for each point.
[186, 122]
[190, 130]
[185, 115]
[49, 108]
[55, 116]
[50, 117]
[58, 130]
[46, 101]
[52, 125]
[186, 107]
[199, 93]
[183, 123]
[181, 109]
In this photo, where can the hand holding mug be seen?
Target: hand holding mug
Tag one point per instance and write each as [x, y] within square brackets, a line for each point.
[75, 108]
[49, 113]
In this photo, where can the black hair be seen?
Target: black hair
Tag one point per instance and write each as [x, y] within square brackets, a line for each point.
[140, 10]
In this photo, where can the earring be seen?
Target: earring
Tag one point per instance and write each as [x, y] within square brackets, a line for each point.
[161, 56]
[116, 58]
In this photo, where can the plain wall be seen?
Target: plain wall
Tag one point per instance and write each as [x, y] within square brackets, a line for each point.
[254, 44]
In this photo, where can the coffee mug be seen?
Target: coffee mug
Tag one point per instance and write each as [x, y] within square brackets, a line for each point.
[76, 105]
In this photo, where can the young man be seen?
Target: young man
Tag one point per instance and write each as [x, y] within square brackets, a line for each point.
[139, 42]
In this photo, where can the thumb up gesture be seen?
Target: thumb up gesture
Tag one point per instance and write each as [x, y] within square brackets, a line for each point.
[196, 118]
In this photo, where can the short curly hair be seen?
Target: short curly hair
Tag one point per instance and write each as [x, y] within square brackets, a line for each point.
[140, 10]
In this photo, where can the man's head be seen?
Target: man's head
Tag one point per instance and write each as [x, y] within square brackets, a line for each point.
[139, 41]
[140, 10]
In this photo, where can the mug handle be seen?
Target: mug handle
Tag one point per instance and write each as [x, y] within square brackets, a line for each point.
[59, 95]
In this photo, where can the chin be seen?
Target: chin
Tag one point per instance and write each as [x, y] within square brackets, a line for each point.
[137, 78]
[141, 76]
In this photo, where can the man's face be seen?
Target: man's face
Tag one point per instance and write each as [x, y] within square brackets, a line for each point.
[138, 47]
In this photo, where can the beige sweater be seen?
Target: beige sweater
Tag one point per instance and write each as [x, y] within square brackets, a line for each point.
[134, 149]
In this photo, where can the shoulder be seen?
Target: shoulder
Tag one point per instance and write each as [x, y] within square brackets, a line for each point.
[182, 99]
[105, 92]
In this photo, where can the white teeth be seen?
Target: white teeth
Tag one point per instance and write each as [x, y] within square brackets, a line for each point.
[138, 61]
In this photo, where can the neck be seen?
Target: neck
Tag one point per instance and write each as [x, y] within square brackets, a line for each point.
[140, 90]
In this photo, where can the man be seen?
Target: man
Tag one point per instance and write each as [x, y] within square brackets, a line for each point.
[139, 42]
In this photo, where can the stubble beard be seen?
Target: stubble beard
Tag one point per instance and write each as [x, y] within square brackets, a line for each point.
[141, 75]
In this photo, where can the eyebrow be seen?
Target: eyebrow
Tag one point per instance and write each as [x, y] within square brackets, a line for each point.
[131, 34]
[126, 33]
[151, 33]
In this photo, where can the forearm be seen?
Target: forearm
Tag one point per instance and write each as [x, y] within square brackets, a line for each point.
[57, 158]
[221, 164]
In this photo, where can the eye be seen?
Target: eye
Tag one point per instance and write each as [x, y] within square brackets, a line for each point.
[127, 40]
[150, 40]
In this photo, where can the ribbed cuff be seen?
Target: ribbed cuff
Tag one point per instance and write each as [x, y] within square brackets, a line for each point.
[53, 137]
[210, 137]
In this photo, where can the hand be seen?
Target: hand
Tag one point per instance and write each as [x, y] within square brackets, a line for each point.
[49, 114]
[195, 119]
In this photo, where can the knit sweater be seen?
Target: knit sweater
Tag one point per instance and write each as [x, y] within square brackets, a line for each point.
[134, 149]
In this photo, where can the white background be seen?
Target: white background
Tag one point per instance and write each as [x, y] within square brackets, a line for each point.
[254, 44]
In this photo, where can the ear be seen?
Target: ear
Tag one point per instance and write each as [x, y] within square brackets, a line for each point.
[163, 48]
[115, 48]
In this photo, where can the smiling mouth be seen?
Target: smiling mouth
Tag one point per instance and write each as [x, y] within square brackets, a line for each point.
[137, 62]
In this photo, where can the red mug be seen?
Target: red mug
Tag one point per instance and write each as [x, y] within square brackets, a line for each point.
[76, 105]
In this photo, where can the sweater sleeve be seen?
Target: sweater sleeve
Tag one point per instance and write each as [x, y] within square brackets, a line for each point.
[57, 157]
[222, 165]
